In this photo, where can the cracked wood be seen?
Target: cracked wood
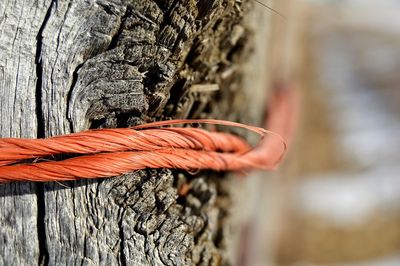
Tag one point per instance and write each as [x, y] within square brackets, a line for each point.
[67, 66]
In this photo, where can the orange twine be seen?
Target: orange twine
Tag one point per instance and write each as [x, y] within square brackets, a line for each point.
[111, 152]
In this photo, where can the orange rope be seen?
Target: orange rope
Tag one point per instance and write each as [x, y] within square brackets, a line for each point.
[110, 152]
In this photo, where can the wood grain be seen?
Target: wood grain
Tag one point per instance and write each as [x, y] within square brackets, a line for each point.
[66, 66]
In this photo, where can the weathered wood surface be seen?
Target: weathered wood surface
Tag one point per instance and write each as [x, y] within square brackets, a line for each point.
[19, 212]
[66, 66]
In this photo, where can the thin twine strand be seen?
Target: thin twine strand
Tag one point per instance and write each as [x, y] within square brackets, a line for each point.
[110, 152]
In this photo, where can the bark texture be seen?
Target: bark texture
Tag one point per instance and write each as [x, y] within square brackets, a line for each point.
[67, 66]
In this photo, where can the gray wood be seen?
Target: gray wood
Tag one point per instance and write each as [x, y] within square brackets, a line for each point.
[66, 66]
[20, 23]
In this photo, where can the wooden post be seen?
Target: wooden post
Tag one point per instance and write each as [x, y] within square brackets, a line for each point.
[67, 66]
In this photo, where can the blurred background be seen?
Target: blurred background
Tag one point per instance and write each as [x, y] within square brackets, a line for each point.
[336, 200]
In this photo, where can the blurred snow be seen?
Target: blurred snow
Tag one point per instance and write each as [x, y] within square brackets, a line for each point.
[341, 196]
[351, 199]
[368, 128]
[357, 52]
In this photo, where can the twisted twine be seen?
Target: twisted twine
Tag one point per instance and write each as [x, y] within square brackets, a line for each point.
[110, 152]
